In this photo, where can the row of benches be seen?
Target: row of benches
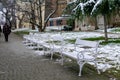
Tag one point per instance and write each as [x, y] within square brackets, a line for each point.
[56, 43]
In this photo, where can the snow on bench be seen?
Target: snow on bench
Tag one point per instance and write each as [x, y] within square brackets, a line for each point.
[79, 51]
[85, 55]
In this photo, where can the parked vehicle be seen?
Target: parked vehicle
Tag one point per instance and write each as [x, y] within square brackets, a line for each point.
[67, 28]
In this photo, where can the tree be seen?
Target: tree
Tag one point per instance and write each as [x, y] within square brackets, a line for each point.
[94, 8]
[36, 16]
[9, 11]
[21, 13]
[34, 13]
[47, 19]
[105, 7]
[102, 7]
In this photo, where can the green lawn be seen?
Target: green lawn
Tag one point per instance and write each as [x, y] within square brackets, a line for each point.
[21, 33]
[116, 30]
[110, 40]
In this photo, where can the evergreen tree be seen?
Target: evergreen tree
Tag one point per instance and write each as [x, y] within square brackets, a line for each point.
[94, 8]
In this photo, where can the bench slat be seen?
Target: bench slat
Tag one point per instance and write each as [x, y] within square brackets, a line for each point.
[86, 43]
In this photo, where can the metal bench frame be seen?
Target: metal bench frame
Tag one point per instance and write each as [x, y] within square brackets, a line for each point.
[81, 60]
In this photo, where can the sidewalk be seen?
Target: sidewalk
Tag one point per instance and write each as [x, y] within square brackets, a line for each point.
[20, 63]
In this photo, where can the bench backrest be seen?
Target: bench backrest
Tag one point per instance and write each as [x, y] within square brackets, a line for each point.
[92, 44]
[56, 39]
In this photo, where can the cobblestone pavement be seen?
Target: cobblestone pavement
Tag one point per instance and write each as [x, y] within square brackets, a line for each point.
[19, 63]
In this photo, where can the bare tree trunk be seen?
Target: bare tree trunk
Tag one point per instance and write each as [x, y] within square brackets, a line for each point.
[105, 28]
[40, 17]
[21, 20]
[32, 16]
[96, 25]
[47, 19]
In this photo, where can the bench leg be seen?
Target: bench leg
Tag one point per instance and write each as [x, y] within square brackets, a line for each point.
[62, 60]
[52, 55]
[38, 46]
[44, 49]
[97, 68]
[81, 64]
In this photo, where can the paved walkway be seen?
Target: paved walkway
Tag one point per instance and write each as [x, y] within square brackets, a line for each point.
[19, 63]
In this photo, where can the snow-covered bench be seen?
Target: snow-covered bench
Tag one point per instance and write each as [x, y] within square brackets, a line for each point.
[79, 51]
[35, 40]
[55, 44]
[82, 54]
[83, 51]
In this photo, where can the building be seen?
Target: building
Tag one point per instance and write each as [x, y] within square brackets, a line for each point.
[27, 6]
[7, 9]
[57, 19]
[21, 19]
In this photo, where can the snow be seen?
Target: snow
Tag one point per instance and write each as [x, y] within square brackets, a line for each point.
[2, 18]
[95, 6]
[82, 5]
[25, 29]
[111, 30]
[48, 28]
[109, 53]
[21, 29]
[88, 2]
[72, 2]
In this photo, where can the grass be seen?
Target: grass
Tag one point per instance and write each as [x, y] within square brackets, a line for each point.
[110, 40]
[116, 30]
[21, 33]
[89, 72]
[94, 38]
[72, 41]
[114, 73]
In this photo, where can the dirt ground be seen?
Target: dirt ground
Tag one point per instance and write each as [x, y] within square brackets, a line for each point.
[19, 63]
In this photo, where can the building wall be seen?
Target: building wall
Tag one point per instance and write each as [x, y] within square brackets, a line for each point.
[26, 5]
[89, 23]
[50, 6]
[69, 1]
[58, 21]
[23, 5]
[61, 6]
